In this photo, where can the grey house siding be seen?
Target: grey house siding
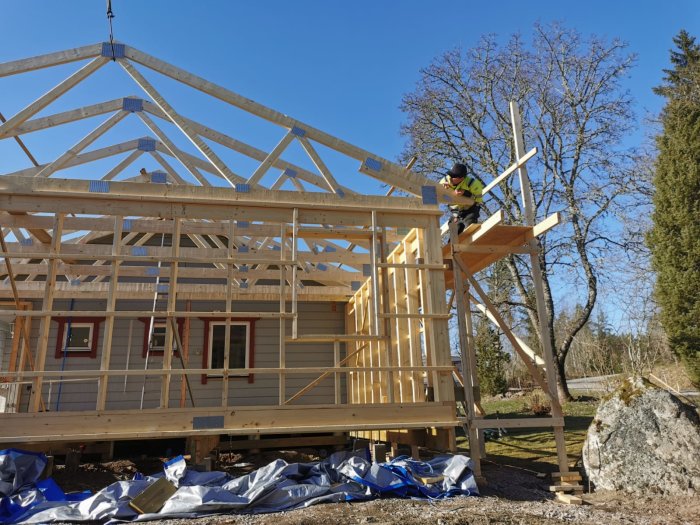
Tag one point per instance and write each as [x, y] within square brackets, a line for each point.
[314, 318]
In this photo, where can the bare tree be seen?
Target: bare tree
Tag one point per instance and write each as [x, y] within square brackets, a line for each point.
[575, 111]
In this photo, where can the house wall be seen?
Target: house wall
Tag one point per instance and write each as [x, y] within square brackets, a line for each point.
[316, 318]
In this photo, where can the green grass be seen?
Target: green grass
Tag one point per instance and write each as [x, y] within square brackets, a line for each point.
[535, 449]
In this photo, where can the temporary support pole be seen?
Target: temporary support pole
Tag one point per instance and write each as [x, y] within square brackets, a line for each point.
[466, 346]
[539, 289]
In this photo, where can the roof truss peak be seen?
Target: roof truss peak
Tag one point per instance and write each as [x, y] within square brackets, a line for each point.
[131, 60]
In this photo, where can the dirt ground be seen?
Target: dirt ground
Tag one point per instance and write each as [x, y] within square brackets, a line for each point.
[510, 496]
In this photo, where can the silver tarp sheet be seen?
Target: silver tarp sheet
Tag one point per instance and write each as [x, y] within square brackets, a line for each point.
[278, 486]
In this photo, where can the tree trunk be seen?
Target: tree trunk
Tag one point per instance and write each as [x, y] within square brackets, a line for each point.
[562, 388]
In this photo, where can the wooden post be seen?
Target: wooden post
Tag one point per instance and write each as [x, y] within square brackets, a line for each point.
[539, 290]
[379, 295]
[227, 309]
[282, 378]
[413, 294]
[35, 400]
[336, 375]
[295, 284]
[102, 383]
[466, 346]
[172, 306]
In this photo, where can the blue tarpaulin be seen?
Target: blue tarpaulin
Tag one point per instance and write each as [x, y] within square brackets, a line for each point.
[278, 486]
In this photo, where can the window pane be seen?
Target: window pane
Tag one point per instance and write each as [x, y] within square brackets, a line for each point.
[79, 337]
[237, 353]
[158, 337]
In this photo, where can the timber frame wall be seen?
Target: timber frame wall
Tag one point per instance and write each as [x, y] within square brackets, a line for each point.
[382, 256]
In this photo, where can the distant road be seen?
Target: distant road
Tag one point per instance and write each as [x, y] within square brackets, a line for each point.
[608, 383]
[595, 384]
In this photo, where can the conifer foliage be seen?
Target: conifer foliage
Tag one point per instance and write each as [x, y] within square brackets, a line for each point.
[675, 237]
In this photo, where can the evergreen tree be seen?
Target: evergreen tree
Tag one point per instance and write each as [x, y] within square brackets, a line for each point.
[491, 359]
[675, 238]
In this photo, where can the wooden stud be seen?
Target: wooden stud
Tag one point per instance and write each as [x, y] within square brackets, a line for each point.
[172, 302]
[109, 324]
[35, 400]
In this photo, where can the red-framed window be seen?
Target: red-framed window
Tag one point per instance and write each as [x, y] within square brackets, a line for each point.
[159, 325]
[242, 345]
[82, 339]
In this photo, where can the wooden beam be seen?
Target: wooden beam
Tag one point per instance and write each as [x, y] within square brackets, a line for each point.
[79, 160]
[333, 185]
[175, 118]
[271, 158]
[157, 423]
[248, 150]
[51, 95]
[389, 172]
[91, 137]
[49, 60]
[520, 162]
[174, 151]
[66, 117]
[128, 161]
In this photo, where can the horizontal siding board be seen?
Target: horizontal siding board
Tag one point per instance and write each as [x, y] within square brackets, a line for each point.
[314, 318]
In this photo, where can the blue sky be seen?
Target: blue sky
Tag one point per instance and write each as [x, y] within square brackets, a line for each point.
[340, 66]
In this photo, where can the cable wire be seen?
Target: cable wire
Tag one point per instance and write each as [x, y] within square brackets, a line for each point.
[110, 16]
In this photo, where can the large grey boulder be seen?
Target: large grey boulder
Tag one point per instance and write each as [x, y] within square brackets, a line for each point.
[644, 440]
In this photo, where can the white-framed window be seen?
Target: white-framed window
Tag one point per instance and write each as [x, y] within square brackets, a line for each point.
[239, 352]
[158, 336]
[84, 336]
[78, 338]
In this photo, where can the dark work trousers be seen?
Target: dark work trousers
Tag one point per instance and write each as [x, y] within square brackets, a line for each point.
[466, 216]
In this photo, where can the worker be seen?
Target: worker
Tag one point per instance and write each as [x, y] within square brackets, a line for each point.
[457, 181]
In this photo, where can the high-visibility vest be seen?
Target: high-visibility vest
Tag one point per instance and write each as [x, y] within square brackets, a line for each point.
[472, 188]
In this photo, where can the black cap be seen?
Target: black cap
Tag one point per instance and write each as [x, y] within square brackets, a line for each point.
[458, 171]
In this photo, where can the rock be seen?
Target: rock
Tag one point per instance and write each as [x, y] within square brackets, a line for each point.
[644, 440]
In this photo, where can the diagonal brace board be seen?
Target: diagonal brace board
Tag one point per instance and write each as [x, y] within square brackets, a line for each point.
[51, 95]
[176, 119]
